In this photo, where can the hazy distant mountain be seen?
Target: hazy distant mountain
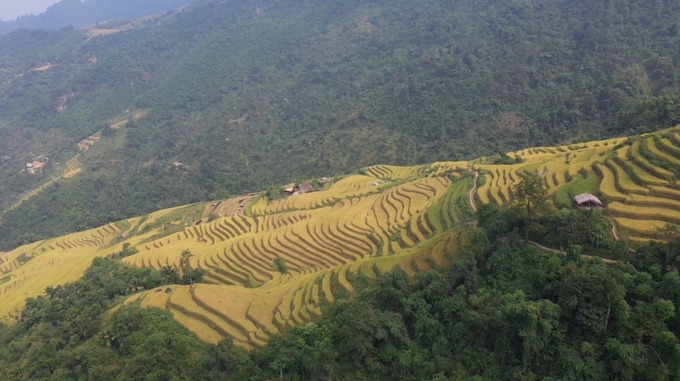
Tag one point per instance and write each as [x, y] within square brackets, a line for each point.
[77, 14]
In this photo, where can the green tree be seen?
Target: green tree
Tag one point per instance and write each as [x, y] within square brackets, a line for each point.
[592, 298]
[190, 275]
[531, 201]
[280, 264]
[670, 233]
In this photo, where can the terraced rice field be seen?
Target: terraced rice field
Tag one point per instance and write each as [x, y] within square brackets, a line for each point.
[28, 270]
[73, 167]
[393, 172]
[235, 206]
[360, 226]
[637, 175]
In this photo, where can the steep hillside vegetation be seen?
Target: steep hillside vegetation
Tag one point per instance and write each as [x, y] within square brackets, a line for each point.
[247, 94]
[250, 267]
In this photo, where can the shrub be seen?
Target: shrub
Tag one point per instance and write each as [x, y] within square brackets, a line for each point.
[280, 265]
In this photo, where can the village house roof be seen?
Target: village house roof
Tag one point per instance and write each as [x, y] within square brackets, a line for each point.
[306, 188]
[587, 199]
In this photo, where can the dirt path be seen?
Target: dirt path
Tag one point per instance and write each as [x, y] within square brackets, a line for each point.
[472, 193]
[616, 236]
[544, 248]
[605, 260]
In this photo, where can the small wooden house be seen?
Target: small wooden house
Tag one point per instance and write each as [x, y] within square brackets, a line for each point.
[587, 200]
[306, 188]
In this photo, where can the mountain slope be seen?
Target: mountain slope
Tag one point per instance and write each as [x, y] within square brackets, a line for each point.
[304, 89]
[272, 263]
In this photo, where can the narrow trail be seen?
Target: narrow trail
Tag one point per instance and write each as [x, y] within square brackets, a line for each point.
[472, 193]
[616, 236]
[544, 248]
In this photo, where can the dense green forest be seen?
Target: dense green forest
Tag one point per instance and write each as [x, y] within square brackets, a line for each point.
[247, 94]
[504, 311]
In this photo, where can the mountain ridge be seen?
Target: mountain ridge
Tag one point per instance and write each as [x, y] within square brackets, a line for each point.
[78, 14]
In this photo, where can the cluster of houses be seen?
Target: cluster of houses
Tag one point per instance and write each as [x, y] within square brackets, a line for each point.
[303, 188]
[36, 166]
[85, 144]
[299, 189]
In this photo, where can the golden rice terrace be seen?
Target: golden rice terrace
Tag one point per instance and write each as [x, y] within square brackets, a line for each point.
[272, 264]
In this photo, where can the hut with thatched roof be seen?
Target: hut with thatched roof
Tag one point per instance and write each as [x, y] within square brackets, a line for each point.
[306, 188]
[587, 200]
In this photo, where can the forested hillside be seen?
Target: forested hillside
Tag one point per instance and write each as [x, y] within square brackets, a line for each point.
[224, 98]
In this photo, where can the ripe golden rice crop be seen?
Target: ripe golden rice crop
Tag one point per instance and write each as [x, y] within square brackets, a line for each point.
[273, 264]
